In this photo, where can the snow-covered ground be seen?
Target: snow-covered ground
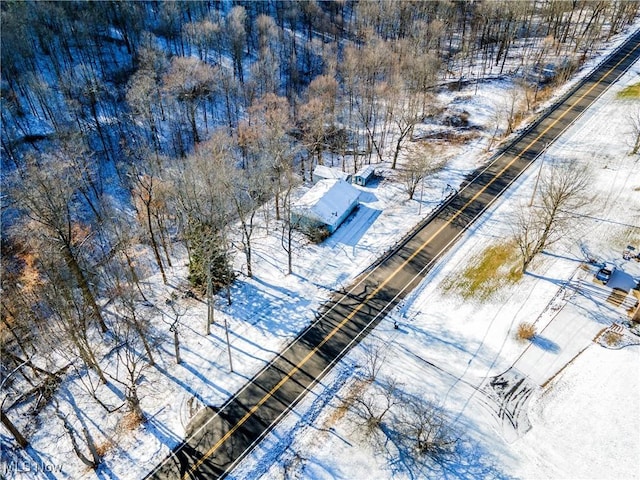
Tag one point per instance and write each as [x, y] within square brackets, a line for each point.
[445, 349]
[580, 417]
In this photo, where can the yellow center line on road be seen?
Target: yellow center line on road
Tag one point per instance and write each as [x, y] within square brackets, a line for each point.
[380, 286]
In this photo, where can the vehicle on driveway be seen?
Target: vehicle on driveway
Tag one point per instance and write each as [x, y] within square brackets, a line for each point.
[605, 272]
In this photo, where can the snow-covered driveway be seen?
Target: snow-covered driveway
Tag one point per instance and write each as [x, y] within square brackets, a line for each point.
[565, 337]
[570, 330]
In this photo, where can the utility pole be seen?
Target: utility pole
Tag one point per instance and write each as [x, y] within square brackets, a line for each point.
[226, 331]
[421, 193]
[209, 301]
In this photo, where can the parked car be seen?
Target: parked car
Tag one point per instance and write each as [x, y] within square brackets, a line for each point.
[629, 253]
[605, 272]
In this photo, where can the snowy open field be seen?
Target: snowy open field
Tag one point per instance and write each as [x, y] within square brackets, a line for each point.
[584, 423]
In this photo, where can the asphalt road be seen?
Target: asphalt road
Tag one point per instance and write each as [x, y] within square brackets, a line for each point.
[219, 438]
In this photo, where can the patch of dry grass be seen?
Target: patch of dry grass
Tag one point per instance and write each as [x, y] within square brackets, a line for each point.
[340, 411]
[103, 448]
[632, 91]
[495, 267]
[611, 339]
[526, 331]
[131, 421]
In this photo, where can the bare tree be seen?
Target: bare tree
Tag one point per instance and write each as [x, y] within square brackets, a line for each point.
[265, 76]
[9, 425]
[6, 421]
[512, 105]
[124, 264]
[633, 121]
[86, 94]
[133, 326]
[68, 331]
[236, 32]
[147, 190]
[191, 82]
[130, 358]
[406, 111]
[317, 117]
[244, 189]
[95, 459]
[47, 192]
[206, 36]
[273, 145]
[177, 313]
[375, 356]
[201, 192]
[288, 224]
[407, 427]
[372, 406]
[498, 118]
[426, 427]
[143, 97]
[422, 162]
[562, 192]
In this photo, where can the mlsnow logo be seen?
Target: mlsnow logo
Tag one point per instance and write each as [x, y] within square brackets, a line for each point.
[23, 467]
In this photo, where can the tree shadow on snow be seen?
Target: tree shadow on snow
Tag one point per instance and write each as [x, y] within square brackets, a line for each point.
[186, 387]
[545, 344]
[555, 281]
[162, 433]
[16, 462]
[564, 257]
[266, 311]
[467, 460]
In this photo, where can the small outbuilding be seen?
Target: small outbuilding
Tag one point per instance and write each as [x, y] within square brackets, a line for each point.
[326, 205]
[322, 172]
[364, 175]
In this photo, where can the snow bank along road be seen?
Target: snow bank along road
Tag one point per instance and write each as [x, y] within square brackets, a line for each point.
[220, 437]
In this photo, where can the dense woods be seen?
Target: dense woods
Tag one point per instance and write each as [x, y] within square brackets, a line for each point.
[132, 128]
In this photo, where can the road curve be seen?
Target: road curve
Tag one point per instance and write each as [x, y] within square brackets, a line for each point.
[220, 438]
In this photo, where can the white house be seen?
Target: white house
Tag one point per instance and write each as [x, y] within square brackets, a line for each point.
[327, 204]
[363, 175]
[322, 172]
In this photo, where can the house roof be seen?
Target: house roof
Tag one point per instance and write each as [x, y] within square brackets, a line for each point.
[327, 201]
[323, 171]
[366, 171]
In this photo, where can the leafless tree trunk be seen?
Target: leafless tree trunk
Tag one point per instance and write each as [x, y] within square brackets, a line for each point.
[176, 342]
[13, 430]
[46, 192]
[497, 124]
[427, 428]
[174, 327]
[633, 120]
[6, 421]
[423, 161]
[562, 192]
[288, 226]
[146, 195]
[375, 357]
[95, 459]
[133, 327]
[405, 110]
[237, 38]
[274, 147]
[131, 359]
[512, 107]
[373, 405]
